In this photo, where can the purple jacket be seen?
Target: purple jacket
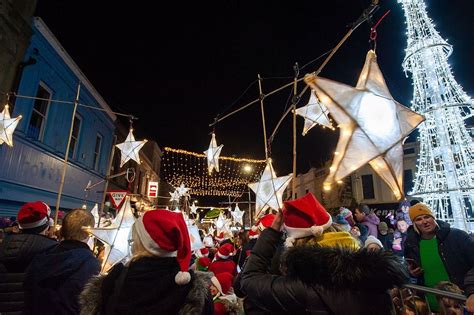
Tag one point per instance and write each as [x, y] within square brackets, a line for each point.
[372, 221]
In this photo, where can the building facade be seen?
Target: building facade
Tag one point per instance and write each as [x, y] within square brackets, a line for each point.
[31, 169]
[15, 32]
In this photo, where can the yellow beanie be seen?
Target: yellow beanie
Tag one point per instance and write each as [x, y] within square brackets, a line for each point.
[334, 239]
[419, 209]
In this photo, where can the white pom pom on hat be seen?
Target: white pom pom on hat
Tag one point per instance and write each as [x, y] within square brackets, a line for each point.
[164, 233]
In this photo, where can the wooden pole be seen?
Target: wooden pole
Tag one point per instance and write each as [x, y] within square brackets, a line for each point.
[295, 100]
[66, 156]
[107, 177]
[263, 116]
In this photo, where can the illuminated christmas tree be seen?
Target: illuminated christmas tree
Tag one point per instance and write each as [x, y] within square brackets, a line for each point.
[445, 173]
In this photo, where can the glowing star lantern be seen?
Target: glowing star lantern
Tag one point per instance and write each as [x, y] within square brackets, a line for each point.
[182, 191]
[130, 149]
[212, 155]
[116, 237]
[7, 126]
[373, 125]
[269, 190]
[238, 215]
[314, 113]
[95, 213]
[174, 196]
[193, 208]
[211, 230]
[220, 222]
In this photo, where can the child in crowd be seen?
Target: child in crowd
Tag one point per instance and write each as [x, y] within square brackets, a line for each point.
[225, 301]
[449, 306]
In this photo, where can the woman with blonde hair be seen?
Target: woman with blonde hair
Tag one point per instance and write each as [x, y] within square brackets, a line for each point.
[326, 273]
[156, 280]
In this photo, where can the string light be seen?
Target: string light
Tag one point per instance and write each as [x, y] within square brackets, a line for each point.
[190, 168]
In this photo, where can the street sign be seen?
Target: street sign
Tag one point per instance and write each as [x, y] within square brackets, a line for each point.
[152, 189]
[117, 197]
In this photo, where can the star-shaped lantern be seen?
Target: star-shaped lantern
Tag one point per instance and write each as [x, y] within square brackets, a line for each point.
[193, 208]
[314, 113]
[220, 222]
[130, 149]
[116, 237]
[182, 191]
[211, 230]
[212, 155]
[7, 126]
[238, 215]
[373, 125]
[269, 190]
[174, 196]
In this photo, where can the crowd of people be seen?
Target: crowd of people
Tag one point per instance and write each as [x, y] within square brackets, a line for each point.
[299, 260]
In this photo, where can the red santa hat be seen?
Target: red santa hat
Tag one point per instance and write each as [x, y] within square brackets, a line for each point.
[204, 252]
[304, 217]
[264, 222]
[253, 234]
[202, 264]
[225, 251]
[223, 282]
[33, 215]
[165, 234]
[220, 237]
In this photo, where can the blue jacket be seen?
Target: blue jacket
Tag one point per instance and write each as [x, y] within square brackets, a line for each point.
[456, 249]
[55, 279]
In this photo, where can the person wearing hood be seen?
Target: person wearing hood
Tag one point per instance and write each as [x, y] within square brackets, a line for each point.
[18, 250]
[370, 220]
[55, 279]
[324, 270]
[157, 279]
[436, 252]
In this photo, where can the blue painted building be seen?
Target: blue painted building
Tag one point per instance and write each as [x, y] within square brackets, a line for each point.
[31, 169]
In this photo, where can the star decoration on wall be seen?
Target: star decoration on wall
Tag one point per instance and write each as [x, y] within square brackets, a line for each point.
[314, 113]
[116, 237]
[212, 155]
[269, 190]
[7, 126]
[372, 125]
[130, 149]
[238, 215]
[193, 208]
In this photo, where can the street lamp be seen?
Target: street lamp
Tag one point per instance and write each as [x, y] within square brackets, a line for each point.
[247, 168]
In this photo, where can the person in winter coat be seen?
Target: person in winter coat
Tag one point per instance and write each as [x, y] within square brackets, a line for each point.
[223, 260]
[370, 220]
[55, 279]
[225, 301]
[329, 277]
[156, 280]
[437, 252]
[18, 250]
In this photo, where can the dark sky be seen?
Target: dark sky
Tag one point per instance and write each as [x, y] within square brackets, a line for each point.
[176, 65]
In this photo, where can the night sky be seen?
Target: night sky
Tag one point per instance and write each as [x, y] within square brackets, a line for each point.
[178, 65]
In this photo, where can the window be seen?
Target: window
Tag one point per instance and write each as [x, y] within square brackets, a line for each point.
[97, 148]
[38, 115]
[407, 181]
[368, 186]
[76, 129]
[409, 151]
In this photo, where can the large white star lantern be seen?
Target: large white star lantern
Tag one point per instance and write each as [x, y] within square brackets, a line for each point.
[269, 190]
[238, 215]
[130, 149]
[7, 126]
[116, 237]
[372, 125]
[174, 196]
[212, 155]
[182, 191]
[193, 208]
[220, 222]
[314, 113]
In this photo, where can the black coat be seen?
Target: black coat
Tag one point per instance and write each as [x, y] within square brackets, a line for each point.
[16, 253]
[321, 280]
[55, 279]
[148, 287]
[456, 249]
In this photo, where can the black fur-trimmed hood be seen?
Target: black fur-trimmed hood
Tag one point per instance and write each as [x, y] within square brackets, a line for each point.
[341, 268]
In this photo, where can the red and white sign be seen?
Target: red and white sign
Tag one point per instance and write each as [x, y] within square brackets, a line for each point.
[117, 197]
[152, 189]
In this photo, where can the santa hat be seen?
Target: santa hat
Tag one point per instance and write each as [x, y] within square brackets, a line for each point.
[204, 252]
[165, 234]
[202, 264]
[223, 282]
[264, 222]
[304, 217]
[225, 251]
[220, 237]
[34, 215]
[253, 234]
